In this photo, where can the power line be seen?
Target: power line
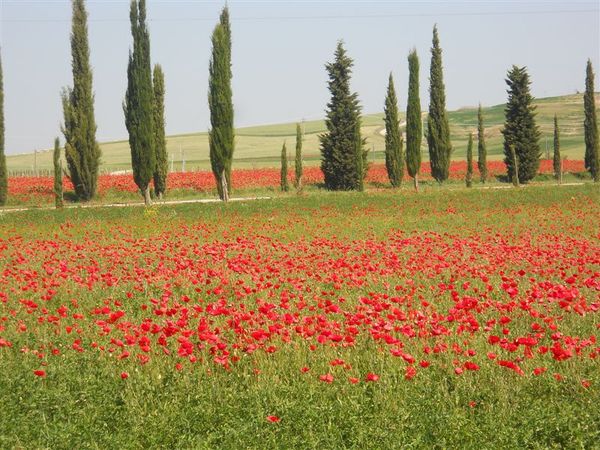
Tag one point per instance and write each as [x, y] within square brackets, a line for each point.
[324, 17]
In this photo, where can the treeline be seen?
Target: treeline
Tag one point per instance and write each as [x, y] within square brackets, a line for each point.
[344, 155]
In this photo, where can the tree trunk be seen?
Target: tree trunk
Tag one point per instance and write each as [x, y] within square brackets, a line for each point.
[147, 199]
[224, 187]
[515, 179]
[416, 182]
[560, 175]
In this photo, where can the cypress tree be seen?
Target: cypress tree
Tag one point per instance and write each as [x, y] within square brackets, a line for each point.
[139, 102]
[221, 134]
[161, 170]
[343, 154]
[590, 124]
[58, 181]
[481, 149]
[469, 177]
[520, 129]
[284, 169]
[394, 154]
[82, 151]
[556, 163]
[438, 130]
[414, 131]
[3, 171]
[298, 161]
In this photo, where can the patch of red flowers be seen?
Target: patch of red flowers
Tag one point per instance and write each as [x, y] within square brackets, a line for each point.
[195, 295]
[40, 188]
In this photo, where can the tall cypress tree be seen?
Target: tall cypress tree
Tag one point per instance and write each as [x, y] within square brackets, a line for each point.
[221, 135]
[58, 181]
[394, 153]
[284, 169]
[438, 130]
[343, 154]
[556, 163]
[520, 129]
[82, 151]
[298, 161]
[161, 170]
[139, 102]
[481, 149]
[414, 130]
[469, 176]
[590, 125]
[3, 171]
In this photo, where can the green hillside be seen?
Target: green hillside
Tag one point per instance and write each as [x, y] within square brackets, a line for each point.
[260, 146]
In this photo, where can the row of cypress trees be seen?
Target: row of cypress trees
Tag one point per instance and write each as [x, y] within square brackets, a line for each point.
[144, 109]
[298, 169]
[438, 129]
[343, 149]
[521, 133]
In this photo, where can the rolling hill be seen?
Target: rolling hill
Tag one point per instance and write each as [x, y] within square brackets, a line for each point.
[260, 146]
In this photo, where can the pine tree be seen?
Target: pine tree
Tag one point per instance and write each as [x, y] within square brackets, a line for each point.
[438, 130]
[3, 171]
[556, 163]
[469, 177]
[221, 134]
[284, 169]
[481, 149]
[58, 181]
[139, 102]
[394, 154]
[161, 170]
[82, 151]
[343, 154]
[590, 124]
[298, 161]
[414, 130]
[520, 129]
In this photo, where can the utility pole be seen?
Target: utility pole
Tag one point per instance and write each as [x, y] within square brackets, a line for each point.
[172, 158]
[35, 163]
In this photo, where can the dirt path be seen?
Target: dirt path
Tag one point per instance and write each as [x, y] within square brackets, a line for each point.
[132, 204]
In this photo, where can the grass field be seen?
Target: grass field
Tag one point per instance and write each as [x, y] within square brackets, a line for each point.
[261, 146]
[448, 319]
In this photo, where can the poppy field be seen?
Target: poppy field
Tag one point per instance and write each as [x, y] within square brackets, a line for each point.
[39, 190]
[446, 319]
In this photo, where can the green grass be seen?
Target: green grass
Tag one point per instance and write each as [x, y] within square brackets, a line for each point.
[260, 146]
[84, 404]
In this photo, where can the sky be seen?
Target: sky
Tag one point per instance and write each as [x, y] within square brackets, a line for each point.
[280, 49]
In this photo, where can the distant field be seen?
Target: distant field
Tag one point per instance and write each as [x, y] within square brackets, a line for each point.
[260, 146]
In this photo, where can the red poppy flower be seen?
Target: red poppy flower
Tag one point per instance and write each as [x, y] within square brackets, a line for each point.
[372, 377]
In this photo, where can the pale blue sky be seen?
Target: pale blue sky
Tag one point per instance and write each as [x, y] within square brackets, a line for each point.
[279, 52]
